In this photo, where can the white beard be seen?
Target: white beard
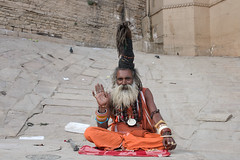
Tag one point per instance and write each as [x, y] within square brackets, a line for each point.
[124, 95]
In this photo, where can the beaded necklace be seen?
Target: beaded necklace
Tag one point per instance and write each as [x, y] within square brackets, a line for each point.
[123, 114]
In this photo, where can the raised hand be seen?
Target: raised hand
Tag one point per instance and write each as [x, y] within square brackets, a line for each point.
[101, 96]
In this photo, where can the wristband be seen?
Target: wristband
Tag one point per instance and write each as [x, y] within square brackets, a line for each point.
[167, 136]
[165, 130]
[101, 119]
[101, 114]
[160, 129]
[101, 122]
[159, 122]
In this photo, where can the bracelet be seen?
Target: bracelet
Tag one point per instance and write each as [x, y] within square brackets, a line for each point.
[160, 129]
[101, 122]
[101, 114]
[101, 119]
[160, 126]
[165, 130]
[167, 136]
[156, 111]
[163, 124]
[161, 121]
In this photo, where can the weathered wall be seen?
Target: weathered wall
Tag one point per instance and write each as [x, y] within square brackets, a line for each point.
[179, 27]
[152, 28]
[202, 31]
[184, 27]
[192, 27]
[88, 25]
[179, 31]
[157, 20]
[225, 28]
[134, 12]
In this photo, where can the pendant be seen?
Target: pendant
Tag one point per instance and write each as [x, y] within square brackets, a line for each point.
[131, 122]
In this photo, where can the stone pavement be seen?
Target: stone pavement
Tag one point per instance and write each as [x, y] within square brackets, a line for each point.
[43, 84]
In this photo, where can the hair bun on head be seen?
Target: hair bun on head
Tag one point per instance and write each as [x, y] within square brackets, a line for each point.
[124, 46]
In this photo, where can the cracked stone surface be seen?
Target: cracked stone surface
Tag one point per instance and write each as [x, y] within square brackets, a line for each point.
[42, 83]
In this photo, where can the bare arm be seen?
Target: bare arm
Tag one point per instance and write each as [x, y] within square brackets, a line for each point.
[152, 106]
[169, 143]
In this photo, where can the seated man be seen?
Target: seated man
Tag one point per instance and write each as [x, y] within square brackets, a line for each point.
[136, 121]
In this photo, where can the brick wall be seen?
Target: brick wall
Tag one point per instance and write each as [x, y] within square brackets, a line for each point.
[88, 24]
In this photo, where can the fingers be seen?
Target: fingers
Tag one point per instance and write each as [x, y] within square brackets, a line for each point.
[166, 143]
[99, 88]
[96, 88]
[93, 93]
[169, 143]
[174, 146]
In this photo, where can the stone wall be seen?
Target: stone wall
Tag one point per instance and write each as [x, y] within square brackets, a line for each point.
[178, 27]
[192, 27]
[134, 12]
[186, 28]
[225, 28]
[173, 27]
[85, 22]
[178, 31]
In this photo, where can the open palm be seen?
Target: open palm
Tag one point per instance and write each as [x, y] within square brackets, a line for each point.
[101, 96]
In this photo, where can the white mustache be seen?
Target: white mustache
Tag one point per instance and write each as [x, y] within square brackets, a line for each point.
[124, 87]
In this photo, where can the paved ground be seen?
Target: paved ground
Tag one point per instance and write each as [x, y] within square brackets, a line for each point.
[41, 82]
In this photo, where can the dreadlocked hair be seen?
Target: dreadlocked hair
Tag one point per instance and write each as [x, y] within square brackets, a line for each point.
[123, 32]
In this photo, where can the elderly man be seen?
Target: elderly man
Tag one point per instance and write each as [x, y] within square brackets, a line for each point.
[136, 123]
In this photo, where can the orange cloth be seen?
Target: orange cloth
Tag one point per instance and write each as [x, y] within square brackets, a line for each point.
[148, 141]
[103, 138]
[130, 138]
[134, 140]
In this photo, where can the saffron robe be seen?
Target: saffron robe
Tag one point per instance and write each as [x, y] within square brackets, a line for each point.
[130, 138]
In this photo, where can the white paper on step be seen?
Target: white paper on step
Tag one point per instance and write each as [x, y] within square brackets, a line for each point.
[76, 127]
[32, 138]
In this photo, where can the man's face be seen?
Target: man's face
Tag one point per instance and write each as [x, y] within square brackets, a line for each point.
[125, 93]
[124, 77]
